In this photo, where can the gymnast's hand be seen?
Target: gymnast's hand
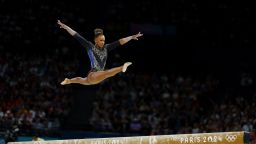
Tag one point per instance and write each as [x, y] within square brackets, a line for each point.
[62, 25]
[135, 37]
[67, 28]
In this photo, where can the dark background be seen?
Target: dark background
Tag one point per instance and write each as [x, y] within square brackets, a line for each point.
[182, 37]
[207, 35]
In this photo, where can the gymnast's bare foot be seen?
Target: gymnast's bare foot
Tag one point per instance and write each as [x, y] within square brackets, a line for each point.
[66, 81]
[125, 66]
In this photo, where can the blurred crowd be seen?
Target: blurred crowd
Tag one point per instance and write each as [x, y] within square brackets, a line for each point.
[170, 104]
[31, 97]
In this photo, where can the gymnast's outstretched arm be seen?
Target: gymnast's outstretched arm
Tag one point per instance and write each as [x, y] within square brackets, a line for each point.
[132, 37]
[67, 28]
[76, 35]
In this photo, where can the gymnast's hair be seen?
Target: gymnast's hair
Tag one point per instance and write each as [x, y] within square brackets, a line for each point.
[98, 32]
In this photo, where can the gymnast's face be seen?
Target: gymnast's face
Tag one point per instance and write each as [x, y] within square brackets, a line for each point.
[100, 41]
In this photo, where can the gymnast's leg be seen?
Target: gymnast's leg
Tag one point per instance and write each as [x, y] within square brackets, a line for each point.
[78, 80]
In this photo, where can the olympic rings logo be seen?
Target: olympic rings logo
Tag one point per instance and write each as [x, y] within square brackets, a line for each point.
[231, 138]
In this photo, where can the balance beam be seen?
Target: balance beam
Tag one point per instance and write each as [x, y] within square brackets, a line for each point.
[200, 138]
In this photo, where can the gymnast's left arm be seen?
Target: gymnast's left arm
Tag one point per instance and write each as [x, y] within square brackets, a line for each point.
[132, 37]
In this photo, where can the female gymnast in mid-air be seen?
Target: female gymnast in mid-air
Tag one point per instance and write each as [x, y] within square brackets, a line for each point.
[97, 53]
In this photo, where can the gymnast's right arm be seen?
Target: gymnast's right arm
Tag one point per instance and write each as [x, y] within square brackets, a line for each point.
[76, 35]
[67, 28]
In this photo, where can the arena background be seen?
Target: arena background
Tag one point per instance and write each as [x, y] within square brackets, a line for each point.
[193, 70]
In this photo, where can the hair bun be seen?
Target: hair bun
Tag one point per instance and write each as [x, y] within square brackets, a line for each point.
[98, 31]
